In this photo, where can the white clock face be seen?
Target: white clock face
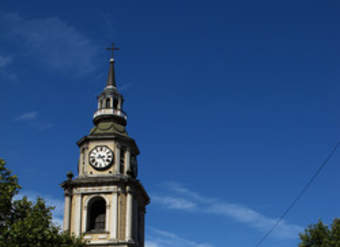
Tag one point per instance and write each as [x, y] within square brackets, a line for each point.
[101, 157]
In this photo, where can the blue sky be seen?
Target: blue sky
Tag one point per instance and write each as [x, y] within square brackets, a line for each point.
[234, 105]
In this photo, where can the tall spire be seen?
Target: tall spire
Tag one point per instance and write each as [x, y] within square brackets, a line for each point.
[111, 80]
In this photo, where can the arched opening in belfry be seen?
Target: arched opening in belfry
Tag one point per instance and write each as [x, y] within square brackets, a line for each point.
[107, 103]
[115, 103]
[96, 214]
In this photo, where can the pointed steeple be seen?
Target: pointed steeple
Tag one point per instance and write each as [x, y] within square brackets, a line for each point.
[111, 80]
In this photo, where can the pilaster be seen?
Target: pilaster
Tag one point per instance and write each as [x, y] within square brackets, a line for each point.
[127, 161]
[129, 213]
[67, 211]
[78, 213]
[117, 158]
[114, 216]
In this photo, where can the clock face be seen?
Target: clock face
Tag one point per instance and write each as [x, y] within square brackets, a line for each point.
[101, 157]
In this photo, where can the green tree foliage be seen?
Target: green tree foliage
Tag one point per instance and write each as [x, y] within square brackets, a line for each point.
[320, 235]
[9, 187]
[27, 224]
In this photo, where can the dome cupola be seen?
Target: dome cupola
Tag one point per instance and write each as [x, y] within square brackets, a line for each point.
[110, 101]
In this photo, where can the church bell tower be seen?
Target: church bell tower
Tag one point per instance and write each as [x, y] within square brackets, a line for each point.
[106, 202]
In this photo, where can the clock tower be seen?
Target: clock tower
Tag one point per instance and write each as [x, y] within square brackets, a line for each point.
[106, 202]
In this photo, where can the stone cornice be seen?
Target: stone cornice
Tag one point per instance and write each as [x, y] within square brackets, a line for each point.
[121, 181]
[113, 243]
[123, 139]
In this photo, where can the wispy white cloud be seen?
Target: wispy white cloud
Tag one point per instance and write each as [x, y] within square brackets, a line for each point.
[125, 86]
[254, 219]
[174, 202]
[237, 212]
[31, 118]
[178, 188]
[5, 60]
[27, 116]
[160, 238]
[5, 74]
[149, 243]
[51, 201]
[42, 125]
[53, 42]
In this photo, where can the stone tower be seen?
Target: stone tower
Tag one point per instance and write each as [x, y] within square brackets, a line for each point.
[106, 203]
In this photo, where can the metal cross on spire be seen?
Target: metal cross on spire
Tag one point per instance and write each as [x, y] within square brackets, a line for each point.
[112, 49]
[111, 80]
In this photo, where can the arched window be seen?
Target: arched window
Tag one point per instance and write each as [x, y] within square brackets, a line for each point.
[96, 214]
[115, 103]
[107, 103]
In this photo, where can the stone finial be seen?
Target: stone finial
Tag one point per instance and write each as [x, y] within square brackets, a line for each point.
[69, 175]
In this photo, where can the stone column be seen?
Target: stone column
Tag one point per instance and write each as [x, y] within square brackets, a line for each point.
[82, 162]
[129, 212]
[107, 216]
[117, 161]
[77, 218]
[127, 161]
[114, 215]
[142, 225]
[86, 161]
[84, 220]
[135, 220]
[119, 103]
[67, 211]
